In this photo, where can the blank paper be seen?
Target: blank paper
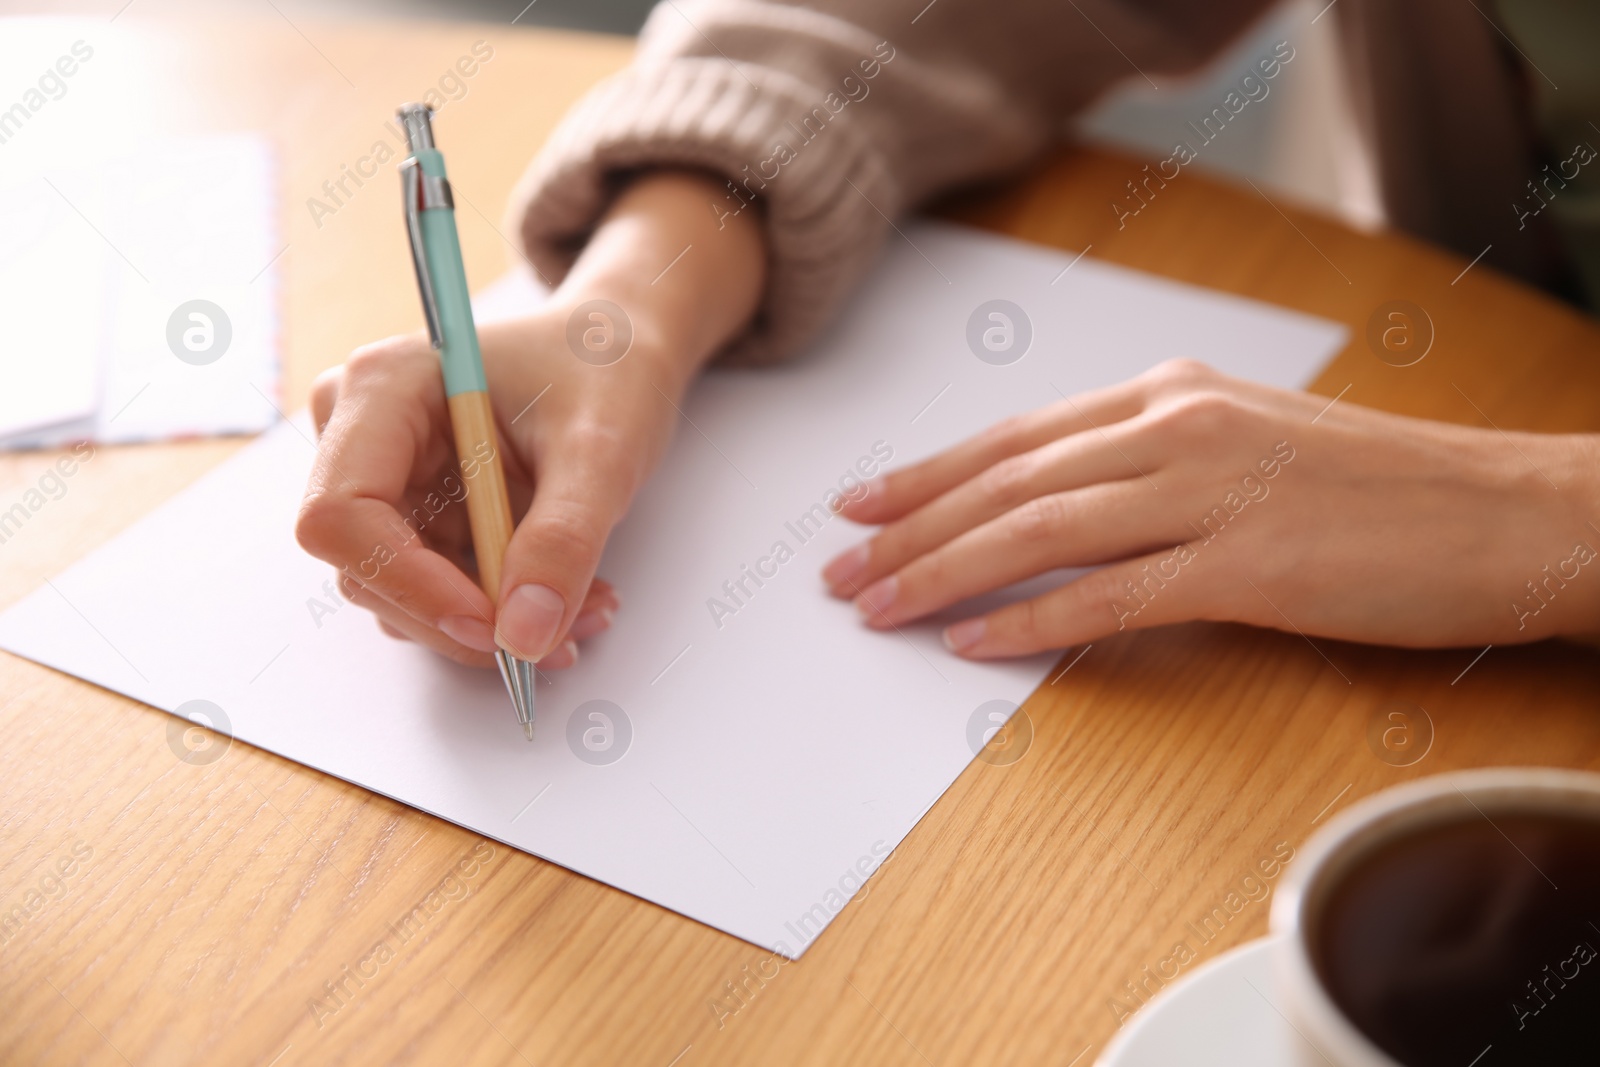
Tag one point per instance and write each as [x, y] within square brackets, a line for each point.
[771, 756]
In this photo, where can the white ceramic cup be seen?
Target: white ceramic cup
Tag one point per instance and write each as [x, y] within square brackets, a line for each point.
[1353, 834]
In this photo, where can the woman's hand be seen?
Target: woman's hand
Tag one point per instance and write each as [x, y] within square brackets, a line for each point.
[1202, 497]
[578, 436]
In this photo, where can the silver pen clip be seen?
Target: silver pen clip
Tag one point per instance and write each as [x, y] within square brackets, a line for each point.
[411, 186]
[422, 192]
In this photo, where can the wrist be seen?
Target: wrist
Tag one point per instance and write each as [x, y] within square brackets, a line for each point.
[683, 283]
[612, 327]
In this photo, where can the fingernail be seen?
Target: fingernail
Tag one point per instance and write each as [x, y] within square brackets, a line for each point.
[589, 623]
[465, 630]
[877, 597]
[528, 620]
[963, 635]
[846, 566]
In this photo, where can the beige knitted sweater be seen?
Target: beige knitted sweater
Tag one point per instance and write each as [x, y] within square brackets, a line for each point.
[834, 118]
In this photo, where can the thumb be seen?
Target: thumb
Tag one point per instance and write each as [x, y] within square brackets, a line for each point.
[554, 551]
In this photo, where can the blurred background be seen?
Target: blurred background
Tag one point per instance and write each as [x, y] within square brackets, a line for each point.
[192, 180]
[1302, 145]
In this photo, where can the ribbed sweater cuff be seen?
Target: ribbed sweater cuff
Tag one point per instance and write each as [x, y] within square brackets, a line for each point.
[821, 207]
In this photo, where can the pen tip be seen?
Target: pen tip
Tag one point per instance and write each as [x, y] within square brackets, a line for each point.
[519, 678]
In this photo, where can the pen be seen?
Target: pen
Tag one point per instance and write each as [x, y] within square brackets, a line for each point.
[436, 253]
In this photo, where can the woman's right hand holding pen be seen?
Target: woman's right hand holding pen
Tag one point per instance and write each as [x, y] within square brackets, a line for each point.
[580, 436]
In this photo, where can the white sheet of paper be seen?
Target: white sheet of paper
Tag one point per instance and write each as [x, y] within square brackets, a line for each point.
[98, 259]
[767, 764]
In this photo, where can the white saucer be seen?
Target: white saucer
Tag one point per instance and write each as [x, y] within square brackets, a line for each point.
[1221, 1015]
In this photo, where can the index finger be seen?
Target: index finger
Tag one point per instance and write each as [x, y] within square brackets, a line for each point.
[386, 424]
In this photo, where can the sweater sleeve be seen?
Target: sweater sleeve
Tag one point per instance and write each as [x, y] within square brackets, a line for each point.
[835, 118]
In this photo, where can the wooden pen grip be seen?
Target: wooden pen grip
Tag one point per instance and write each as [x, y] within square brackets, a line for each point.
[488, 504]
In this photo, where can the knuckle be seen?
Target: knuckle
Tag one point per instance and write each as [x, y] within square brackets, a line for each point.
[596, 435]
[381, 359]
[1040, 519]
[566, 533]
[406, 599]
[1201, 415]
[1028, 625]
[931, 573]
[1009, 432]
[1097, 590]
[316, 527]
[369, 361]
[608, 444]
[324, 395]
[1007, 482]
[349, 586]
[1180, 373]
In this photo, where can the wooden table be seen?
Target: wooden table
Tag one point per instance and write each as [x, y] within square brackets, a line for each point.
[211, 908]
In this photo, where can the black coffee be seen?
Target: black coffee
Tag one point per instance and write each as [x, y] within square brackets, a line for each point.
[1472, 943]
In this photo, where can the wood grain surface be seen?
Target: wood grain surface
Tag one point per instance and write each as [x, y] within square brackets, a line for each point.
[167, 911]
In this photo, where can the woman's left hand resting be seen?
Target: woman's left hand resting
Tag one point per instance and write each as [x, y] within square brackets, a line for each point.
[1203, 497]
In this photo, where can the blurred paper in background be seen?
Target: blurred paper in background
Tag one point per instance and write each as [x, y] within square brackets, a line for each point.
[139, 296]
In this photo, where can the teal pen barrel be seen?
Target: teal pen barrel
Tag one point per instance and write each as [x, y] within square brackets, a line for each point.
[462, 362]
